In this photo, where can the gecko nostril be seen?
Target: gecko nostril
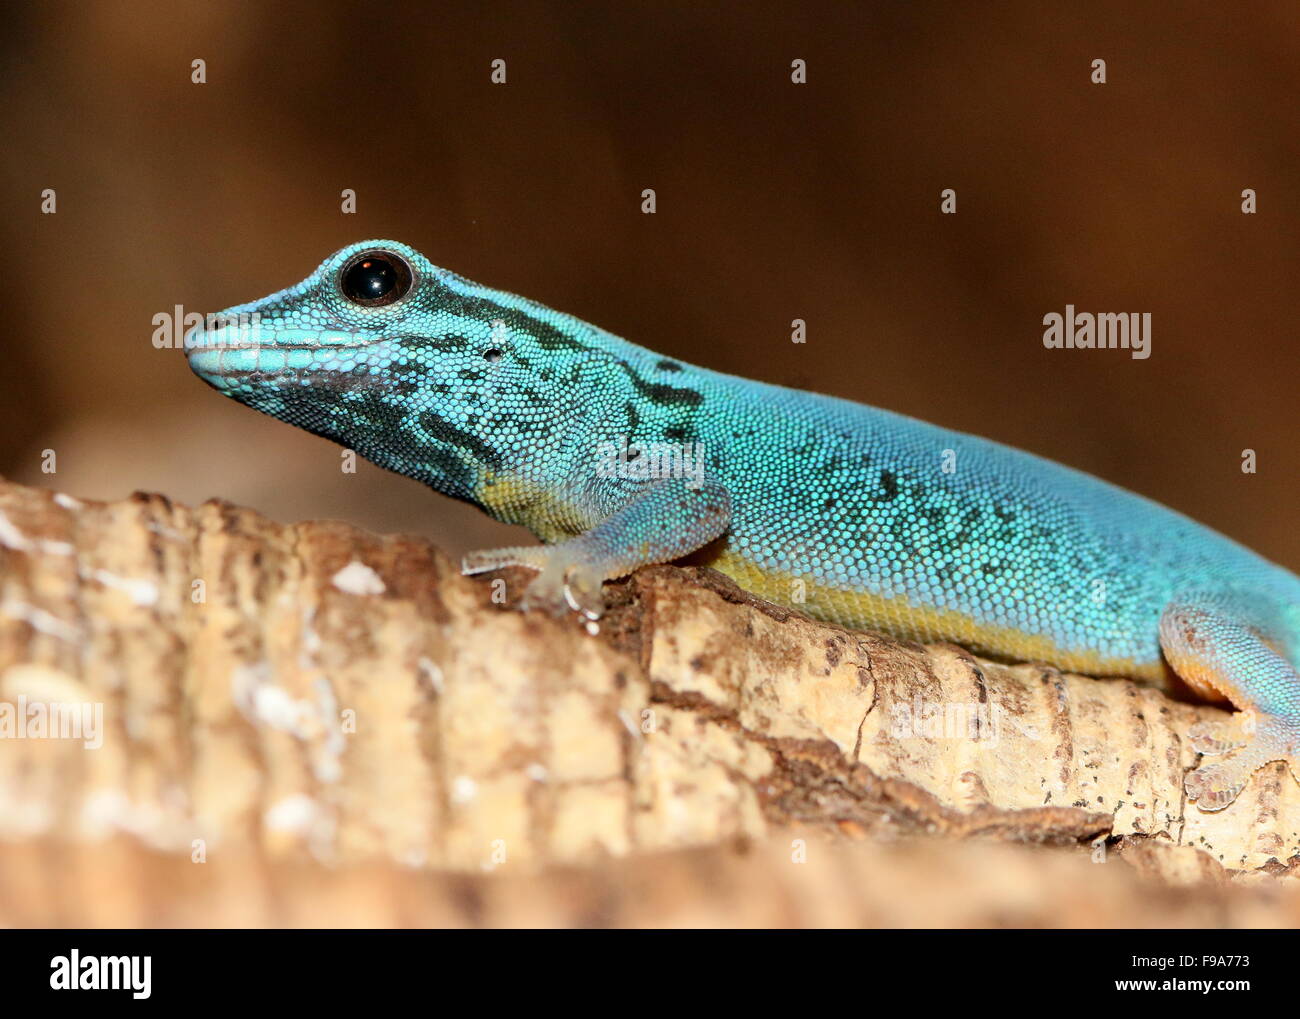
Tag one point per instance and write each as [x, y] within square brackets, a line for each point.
[493, 355]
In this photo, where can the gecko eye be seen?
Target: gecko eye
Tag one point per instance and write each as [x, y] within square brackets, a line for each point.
[375, 278]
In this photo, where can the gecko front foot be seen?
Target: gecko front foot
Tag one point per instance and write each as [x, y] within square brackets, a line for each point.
[662, 521]
[562, 588]
[561, 585]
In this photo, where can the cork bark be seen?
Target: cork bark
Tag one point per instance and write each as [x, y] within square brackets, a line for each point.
[310, 723]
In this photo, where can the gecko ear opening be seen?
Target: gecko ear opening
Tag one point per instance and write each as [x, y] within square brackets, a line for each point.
[373, 279]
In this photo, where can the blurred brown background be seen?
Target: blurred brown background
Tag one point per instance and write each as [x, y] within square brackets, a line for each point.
[776, 202]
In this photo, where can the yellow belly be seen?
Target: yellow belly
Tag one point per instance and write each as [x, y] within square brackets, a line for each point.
[907, 621]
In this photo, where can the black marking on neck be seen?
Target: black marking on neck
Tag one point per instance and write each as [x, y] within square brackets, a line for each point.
[377, 415]
[444, 431]
[485, 309]
[661, 394]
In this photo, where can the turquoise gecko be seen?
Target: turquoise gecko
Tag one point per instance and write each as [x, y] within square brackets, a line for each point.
[617, 457]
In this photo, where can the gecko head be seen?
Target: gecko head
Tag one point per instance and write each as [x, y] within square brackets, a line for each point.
[414, 367]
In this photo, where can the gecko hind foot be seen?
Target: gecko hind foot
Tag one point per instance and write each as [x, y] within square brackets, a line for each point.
[1221, 654]
[1215, 786]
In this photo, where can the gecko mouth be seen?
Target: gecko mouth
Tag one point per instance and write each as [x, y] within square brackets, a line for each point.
[244, 351]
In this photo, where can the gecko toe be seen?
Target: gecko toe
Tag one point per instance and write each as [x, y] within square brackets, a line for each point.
[583, 590]
[486, 560]
[1215, 786]
[1214, 738]
[560, 589]
[545, 594]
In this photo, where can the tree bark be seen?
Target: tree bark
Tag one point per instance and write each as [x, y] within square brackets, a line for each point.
[310, 723]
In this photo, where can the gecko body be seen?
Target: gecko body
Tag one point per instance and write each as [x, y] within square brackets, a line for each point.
[616, 456]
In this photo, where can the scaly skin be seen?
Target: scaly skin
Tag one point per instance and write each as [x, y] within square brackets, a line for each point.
[850, 513]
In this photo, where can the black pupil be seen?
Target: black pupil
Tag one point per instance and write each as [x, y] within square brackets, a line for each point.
[371, 279]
